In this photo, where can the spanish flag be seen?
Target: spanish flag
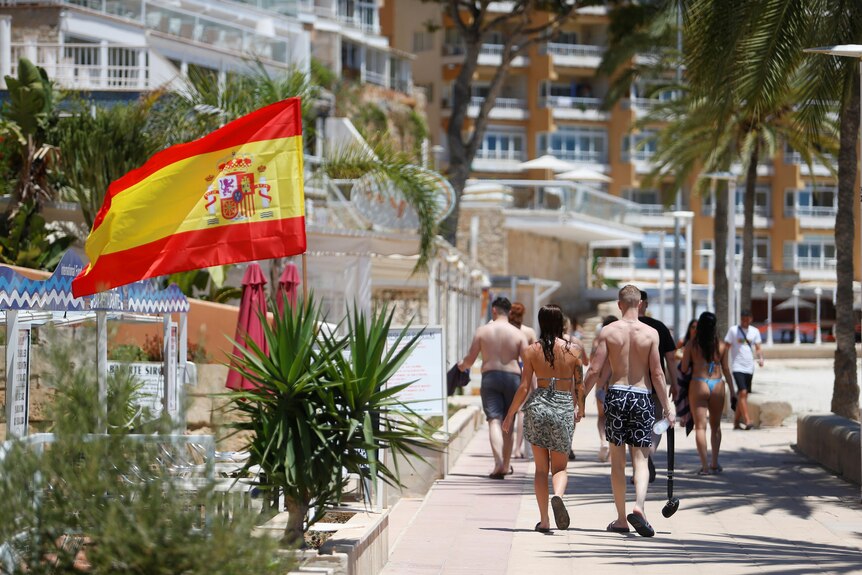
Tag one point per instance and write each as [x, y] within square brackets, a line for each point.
[234, 195]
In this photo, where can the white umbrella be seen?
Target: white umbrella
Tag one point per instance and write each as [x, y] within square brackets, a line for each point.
[584, 175]
[547, 162]
[789, 303]
[480, 188]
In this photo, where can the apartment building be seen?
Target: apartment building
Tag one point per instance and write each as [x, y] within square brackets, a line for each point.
[116, 49]
[551, 103]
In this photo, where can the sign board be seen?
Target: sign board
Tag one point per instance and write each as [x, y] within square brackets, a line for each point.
[424, 367]
[171, 382]
[150, 375]
[19, 410]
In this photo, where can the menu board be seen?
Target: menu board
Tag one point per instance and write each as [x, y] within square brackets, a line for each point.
[426, 394]
[19, 410]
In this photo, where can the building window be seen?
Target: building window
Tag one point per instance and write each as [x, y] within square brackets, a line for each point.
[576, 144]
[762, 201]
[640, 147]
[815, 199]
[761, 252]
[566, 38]
[422, 41]
[453, 42]
[706, 259]
[812, 253]
[791, 156]
[500, 145]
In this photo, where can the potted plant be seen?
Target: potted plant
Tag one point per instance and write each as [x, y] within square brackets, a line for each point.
[321, 405]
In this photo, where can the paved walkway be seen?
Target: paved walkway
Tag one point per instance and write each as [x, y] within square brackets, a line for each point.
[771, 511]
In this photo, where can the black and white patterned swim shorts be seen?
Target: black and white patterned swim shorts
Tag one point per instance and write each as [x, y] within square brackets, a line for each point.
[629, 416]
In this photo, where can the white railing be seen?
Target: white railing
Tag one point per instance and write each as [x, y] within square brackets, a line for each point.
[491, 50]
[638, 263]
[511, 155]
[643, 104]
[89, 66]
[794, 157]
[377, 78]
[586, 156]
[652, 209]
[571, 102]
[582, 50]
[168, 18]
[504, 103]
[810, 263]
[638, 155]
[811, 211]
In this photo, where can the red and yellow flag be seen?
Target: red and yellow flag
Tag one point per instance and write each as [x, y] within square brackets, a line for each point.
[234, 195]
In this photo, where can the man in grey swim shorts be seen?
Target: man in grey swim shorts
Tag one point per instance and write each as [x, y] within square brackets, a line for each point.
[632, 349]
[501, 345]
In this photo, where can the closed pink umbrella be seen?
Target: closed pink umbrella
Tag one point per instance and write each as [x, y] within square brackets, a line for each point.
[288, 284]
[252, 304]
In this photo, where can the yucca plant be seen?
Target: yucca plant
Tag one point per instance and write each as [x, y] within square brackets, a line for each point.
[321, 406]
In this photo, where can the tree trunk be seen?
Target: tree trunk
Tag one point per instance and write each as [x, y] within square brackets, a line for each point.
[748, 230]
[294, 532]
[720, 258]
[845, 393]
[459, 171]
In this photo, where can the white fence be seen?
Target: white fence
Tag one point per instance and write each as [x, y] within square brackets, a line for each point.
[89, 66]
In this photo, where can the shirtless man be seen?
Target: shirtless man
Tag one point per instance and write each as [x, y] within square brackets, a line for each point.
[631, 349]
[501, 345]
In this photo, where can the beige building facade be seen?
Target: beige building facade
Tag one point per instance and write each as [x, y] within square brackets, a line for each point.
[551, 103]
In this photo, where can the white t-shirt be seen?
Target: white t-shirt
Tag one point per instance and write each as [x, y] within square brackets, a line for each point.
[741, 353]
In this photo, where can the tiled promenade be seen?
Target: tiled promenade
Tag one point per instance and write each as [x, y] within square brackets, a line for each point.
[771, 511]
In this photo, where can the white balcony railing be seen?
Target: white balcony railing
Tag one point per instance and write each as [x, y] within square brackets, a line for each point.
[377, 78]
[810, 211]
[810, 263]
[501, 155]
[171, 19]
[638, 155]
[574, 50]
[502, 103]
[89, 66]
[571, 102]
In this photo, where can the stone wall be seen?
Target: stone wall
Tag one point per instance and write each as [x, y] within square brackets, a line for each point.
[833, 442]
[493, 240]
[550, 258]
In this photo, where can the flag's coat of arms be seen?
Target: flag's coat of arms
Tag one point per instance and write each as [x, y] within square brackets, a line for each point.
[236, 190]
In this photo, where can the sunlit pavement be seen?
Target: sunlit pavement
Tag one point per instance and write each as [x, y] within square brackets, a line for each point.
[770, 511]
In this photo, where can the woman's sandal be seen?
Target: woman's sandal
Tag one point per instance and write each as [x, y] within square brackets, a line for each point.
[704, 472]
[540, 529]
[716, 469]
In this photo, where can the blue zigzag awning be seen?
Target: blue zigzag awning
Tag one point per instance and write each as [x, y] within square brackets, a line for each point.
[55, 293]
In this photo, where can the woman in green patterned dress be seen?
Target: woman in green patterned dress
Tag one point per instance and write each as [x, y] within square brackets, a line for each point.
[551, 410]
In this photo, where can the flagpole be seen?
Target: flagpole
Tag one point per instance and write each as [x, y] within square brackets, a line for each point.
[304, 278]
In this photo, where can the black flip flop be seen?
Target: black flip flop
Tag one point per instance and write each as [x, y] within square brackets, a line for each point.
[614, 529]
[561, 516]
[511, 471]
[497, 476]
[641, 525]
[544, 530]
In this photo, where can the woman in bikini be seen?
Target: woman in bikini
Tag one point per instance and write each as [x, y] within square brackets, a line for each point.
[707, 358]
[551, 411]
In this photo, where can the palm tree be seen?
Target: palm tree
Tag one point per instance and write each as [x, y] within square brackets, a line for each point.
[26, 118]
[100, 147]
[768, 38]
